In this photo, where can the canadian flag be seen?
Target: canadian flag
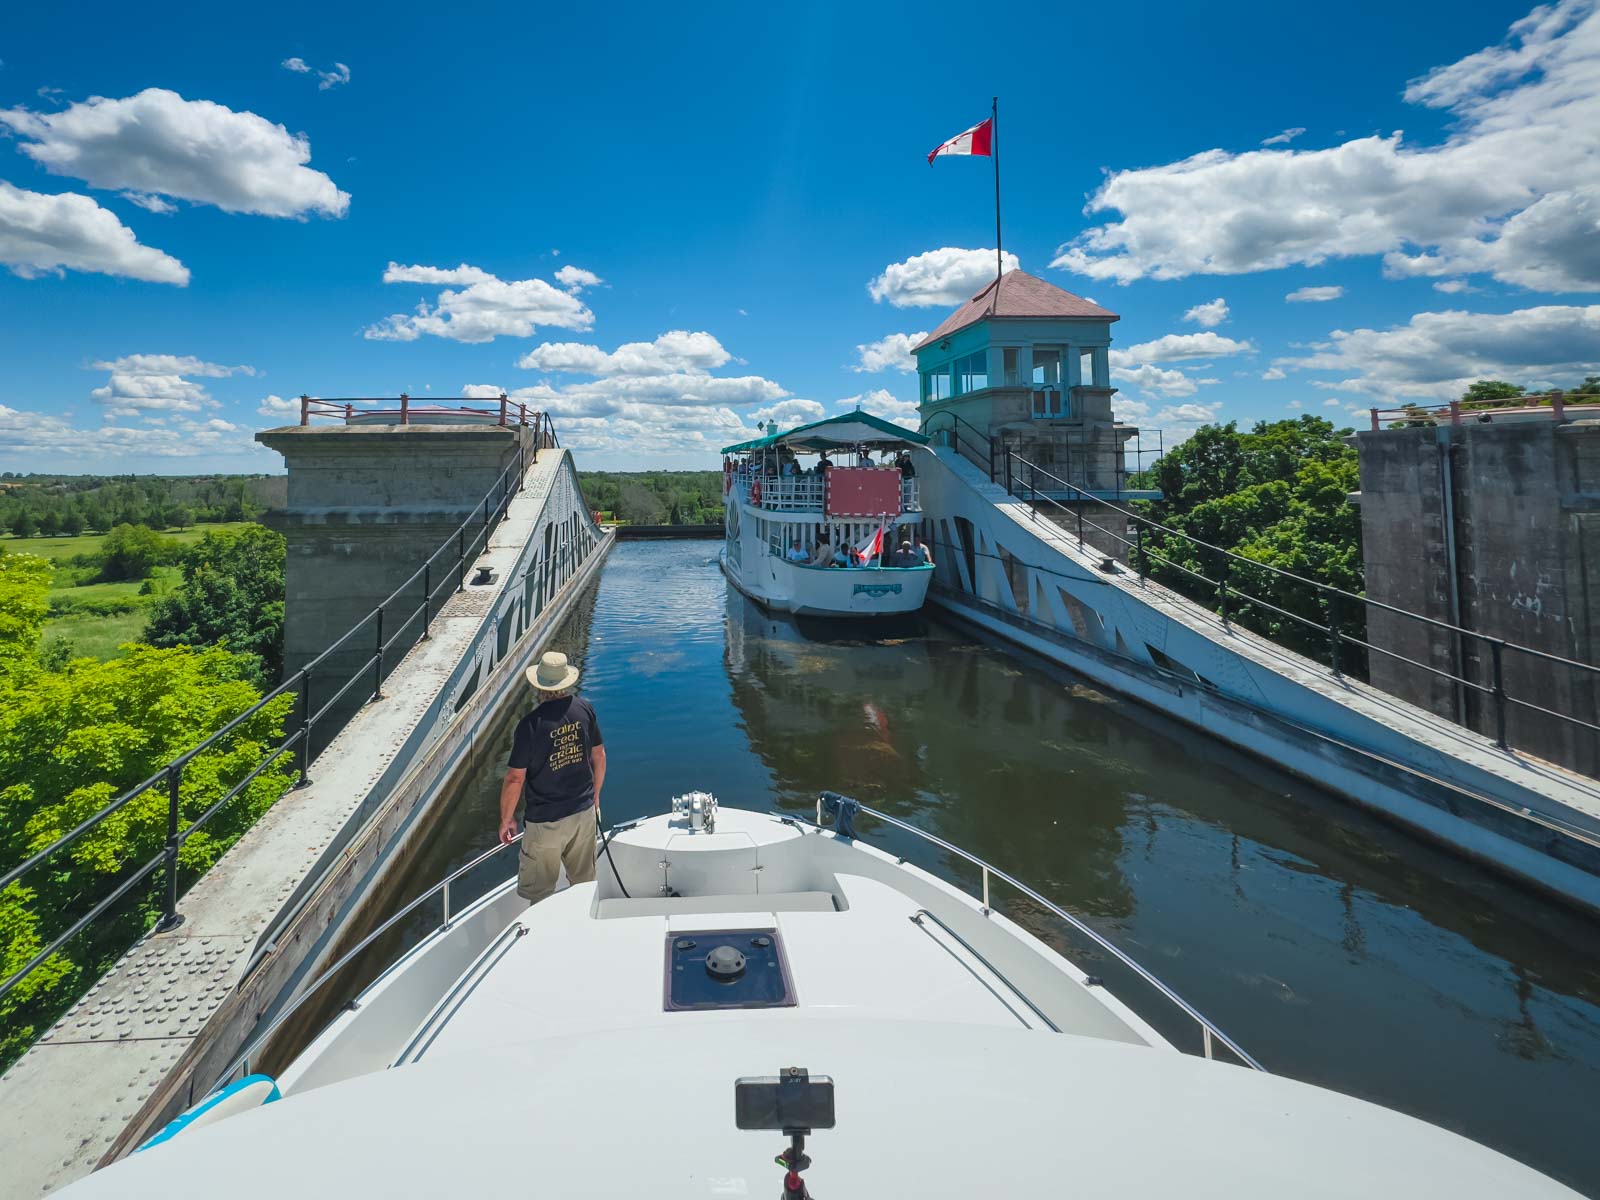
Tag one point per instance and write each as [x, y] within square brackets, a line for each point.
[976, 140]
[872, 546]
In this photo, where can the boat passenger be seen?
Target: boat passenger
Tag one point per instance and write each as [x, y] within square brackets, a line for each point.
[863, 459]
[908, 469]
[842, 556]
[791, 467]
[906, 555]
[797, 552]
[824, 555]
[823, 461]
[927, 555]
[558, 765]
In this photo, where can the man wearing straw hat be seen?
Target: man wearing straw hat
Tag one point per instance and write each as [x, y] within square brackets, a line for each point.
[558, 764]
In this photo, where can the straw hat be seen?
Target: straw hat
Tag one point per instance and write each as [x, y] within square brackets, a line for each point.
[553, 673]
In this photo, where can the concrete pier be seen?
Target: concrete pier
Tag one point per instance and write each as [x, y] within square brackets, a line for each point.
[153, 1035]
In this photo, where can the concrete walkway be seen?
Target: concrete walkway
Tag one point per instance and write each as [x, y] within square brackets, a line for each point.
[180, 1004]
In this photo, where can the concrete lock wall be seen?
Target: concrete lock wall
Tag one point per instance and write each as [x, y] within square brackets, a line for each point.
[1489, 526]
[367, 504]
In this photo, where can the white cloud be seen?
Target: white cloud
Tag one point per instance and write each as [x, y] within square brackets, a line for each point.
[30, 438]
[1188, 414]
[146, 383]
[1273, 373]
[1208, 315]
[42, 234]
[1452, 286]
[1125, 408]
[340, 74]
[1295, 404]
[676, 350]
[1437, 354]
[939, 278]
[880, 402]
[280, 406]
[1155, 379]
[789, 413]
[1177, 347]
[157, 143]
[1314, 295]
[485, 308]
[575, 279]
[1332, 402]
[891, 351]
[1511, 191]
[1284, 138]
[150, 203]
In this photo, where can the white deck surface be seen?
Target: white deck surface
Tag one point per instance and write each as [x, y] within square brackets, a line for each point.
[923, 1109]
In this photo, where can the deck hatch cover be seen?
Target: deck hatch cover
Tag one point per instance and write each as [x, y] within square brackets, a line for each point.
[727, 968]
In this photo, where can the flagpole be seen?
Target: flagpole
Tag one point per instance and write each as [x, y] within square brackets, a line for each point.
[994, 149]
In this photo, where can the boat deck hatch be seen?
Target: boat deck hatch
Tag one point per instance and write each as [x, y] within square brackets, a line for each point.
[730, 968]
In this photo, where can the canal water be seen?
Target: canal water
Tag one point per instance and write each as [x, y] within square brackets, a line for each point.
[1334, 947]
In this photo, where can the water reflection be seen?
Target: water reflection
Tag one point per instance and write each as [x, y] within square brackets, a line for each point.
[1335, 947]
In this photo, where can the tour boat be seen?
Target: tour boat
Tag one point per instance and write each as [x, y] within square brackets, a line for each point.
[774, 502]
[738, 985]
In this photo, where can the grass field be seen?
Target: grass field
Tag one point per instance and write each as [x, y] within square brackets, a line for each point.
[97, 618]
[59, 549]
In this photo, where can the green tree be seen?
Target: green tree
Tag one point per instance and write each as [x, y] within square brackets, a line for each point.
[181, 515]
[23, 523]
[72, 741]
[132, 551]
[232, 592]
[1278, 496]
[24, 604]
[73, 523]
[50, 524]
[1490, 389]
[1589, 387]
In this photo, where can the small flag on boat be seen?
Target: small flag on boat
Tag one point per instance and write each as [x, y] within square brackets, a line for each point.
[976, 140]
[872, 546]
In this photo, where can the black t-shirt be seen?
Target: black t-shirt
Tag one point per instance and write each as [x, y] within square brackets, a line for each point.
[552, 744]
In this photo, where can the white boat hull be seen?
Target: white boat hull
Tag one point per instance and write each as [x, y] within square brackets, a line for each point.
[832, 591]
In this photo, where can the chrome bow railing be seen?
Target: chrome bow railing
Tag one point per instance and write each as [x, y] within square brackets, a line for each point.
[1209, 1033]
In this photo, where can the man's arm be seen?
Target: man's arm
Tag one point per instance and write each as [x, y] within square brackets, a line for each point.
[510, 793]
[597, 764]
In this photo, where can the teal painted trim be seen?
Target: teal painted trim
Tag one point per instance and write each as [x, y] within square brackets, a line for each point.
[876, 589]
[809, 567]
[182, 1121]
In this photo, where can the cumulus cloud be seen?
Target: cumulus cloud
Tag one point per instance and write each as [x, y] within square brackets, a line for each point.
[1208, 315]
[485, 308]
[1284, 138]
[659, 396]
[891, 351]
[42, 234]
[33, 438]
[881, 402]
[156, 143]
[1273, 373]
[575, 279]
[1452, 286]
[675, 350]
[1178, 347]
[1314, 295]
[280, 406]
[938, 278]
[140, 384]
[1295, 404]
[1155, 379]
[1436, 355]
[1511, 191]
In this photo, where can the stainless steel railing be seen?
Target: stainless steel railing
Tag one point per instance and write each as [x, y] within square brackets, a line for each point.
[1209, 1032]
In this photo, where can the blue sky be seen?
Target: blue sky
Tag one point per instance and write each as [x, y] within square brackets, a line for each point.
[194, 228]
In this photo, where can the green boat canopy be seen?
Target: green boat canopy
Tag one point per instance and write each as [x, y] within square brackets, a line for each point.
[850, 429]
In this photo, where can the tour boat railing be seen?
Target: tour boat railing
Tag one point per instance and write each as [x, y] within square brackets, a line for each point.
[1210, 1034]
[805, 493]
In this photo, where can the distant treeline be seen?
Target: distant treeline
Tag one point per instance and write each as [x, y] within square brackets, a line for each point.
[655, 497]
[45, 505]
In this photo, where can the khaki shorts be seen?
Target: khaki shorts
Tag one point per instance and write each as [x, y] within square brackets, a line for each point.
[547, 846]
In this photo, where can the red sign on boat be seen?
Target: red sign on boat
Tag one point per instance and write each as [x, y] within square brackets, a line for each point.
[862, 492]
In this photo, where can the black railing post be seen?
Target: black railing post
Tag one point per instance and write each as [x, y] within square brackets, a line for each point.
[461, 558]
[1496, 655]
[307, 719]
[169, 904]
[377, 662]
[1138, 547]
[1008, 472]
[1222, 590]
[427, 599]
[1080, 527]
[1335, 641]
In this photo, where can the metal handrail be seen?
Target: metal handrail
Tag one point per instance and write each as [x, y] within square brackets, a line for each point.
[1209, 1032]
[1141, 555]
[484, 516]
[440, 889]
